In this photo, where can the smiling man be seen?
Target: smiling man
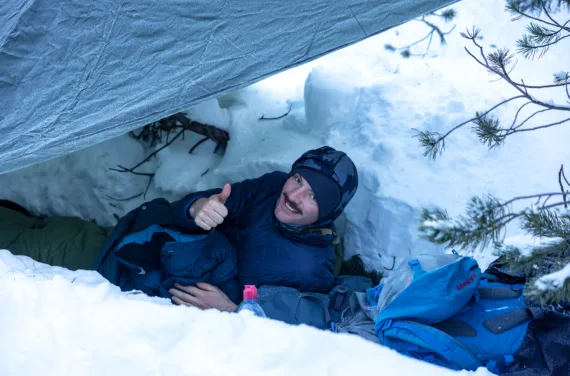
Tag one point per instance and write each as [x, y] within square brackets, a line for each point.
[280, 225]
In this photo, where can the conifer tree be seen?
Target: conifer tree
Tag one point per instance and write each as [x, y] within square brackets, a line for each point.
[542, 215]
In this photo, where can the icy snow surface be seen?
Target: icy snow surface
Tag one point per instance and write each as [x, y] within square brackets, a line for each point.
[57, 322]
[363, 100]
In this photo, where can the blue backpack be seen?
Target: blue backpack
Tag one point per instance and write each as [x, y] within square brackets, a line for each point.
[443, 310]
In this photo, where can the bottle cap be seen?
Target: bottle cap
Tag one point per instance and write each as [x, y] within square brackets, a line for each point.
[250, 292]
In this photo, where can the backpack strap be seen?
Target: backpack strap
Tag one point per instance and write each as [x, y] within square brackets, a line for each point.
[432, 340]
[507, 321]
[499, 293]
[456, 328]
[416, 267]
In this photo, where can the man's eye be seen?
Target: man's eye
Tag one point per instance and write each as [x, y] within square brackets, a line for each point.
[313, 197]
[297, 179]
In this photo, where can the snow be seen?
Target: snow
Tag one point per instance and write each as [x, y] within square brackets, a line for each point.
[363, 100]
[561, 76]
[553, 281]
[57, 322]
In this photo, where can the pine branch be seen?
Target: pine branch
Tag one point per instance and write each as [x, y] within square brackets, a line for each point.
[518, 9]
[547, 224]
[472, 36]
[484, 223]
[448, 14]
[529, 46]
[488, 130]
[434, 143]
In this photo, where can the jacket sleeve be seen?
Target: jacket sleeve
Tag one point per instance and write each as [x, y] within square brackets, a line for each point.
[243, 194]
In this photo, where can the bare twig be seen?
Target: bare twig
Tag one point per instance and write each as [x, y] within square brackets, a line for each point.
[198, 144]
[564, 175]
[124, 169]
[429, 36]
[539, 86]
[507, 218]
[278, 117]
[518, 112]
[149, 175]
[154, 130]
[158, 150]
[531, 116]
[564, 192]
[562, 27]
[535, 128]
[393, 263]
[472, 36]
[124, 199]
[518, 198]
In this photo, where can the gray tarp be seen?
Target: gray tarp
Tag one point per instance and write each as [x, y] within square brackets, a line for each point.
[77, 72]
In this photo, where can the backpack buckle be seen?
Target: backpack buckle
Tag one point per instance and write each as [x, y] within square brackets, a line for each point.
[341, 292]
[416, 266]
[385, 325]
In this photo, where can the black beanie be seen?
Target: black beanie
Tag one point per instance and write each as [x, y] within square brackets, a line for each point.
[326, 190]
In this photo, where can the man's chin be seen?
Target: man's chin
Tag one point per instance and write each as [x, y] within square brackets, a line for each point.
[283, 217]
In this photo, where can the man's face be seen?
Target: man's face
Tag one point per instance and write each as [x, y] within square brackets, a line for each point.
[297, 204]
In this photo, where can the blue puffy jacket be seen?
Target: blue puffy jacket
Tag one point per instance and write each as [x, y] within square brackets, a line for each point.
[267, 253]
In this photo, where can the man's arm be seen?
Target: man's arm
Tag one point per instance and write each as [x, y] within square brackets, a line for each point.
[241, 195]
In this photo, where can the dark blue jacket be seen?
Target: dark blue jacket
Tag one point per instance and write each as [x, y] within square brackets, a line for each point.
[267, 252]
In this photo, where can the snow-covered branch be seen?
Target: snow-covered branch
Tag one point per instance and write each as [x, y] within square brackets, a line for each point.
[553, 281]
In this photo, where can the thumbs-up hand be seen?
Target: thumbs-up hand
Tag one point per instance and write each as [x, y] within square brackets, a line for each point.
[211, 212]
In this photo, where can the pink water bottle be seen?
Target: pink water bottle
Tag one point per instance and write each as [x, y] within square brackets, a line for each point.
[251, 301]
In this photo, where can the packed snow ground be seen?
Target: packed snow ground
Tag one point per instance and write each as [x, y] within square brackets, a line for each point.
[363, 100]
[57, 322]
